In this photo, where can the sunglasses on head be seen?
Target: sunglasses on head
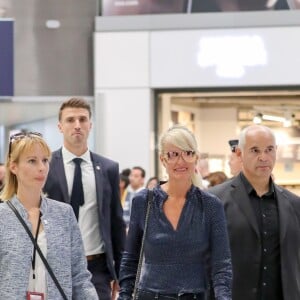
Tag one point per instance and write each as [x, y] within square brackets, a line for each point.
[20, 136]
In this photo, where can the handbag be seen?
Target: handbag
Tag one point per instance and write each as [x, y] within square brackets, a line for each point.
[38, 250]
[138, 272]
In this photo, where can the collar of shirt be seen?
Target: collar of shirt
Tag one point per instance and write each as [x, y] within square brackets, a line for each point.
[131, 190]
[69, 156]
[249, 188]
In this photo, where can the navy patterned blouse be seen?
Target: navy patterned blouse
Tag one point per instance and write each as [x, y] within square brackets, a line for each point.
[182, 260]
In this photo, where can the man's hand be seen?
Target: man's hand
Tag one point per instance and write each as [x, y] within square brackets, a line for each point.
[114, 289]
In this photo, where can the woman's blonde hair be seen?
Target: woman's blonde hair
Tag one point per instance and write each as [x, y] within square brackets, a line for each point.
[181, 137]
[19, 144]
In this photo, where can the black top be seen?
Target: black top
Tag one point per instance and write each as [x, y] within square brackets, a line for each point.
[266, 212]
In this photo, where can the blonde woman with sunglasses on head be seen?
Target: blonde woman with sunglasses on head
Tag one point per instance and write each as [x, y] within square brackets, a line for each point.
[186, 242]
[23, 274]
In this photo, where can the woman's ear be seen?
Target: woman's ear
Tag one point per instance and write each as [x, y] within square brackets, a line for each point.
[59, 126]
[163, 160]
[13, 167]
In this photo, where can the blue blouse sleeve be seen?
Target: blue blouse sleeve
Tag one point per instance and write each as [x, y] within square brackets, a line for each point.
[220, 256]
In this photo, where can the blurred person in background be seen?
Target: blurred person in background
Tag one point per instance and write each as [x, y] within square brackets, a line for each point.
[215, 178]
[124, 182]
[152, 182]
[136, 184]
[126, 172]
[203, 168]
[235, 163]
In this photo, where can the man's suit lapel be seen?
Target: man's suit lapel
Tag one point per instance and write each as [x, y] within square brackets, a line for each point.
[59, 173]
[283, 211]
[240, 196]
[98, 180]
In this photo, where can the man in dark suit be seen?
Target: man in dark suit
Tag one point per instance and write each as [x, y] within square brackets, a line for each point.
[99, 213]
[263, 223]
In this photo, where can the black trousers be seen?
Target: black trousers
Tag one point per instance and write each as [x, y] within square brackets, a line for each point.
[146, 295]
[101, 277]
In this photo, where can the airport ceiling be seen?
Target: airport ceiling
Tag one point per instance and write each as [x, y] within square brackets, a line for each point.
[14, 113]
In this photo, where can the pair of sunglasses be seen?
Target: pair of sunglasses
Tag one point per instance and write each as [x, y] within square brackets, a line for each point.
[21, 135]
[187, 155]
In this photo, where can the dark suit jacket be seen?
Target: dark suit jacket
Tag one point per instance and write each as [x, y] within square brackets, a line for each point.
[245, 239]
[110, 212]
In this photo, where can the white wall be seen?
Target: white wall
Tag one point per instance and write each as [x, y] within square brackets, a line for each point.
[124, 127]
[124, 102]
[47, 127]
[217, 127]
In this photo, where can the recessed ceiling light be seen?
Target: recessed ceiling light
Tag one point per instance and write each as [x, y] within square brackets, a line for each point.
[52, 24]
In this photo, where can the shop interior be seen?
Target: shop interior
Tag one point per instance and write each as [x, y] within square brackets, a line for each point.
[216, 117]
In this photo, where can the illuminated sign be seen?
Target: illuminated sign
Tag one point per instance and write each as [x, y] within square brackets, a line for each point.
[231, 55]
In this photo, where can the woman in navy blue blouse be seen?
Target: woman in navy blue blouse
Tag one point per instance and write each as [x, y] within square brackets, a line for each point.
[186, 244]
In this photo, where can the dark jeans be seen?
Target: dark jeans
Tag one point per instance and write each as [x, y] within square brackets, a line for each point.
[146, 295]
[101, 277]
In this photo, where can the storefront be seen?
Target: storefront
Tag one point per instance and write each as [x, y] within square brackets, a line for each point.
[150, 68]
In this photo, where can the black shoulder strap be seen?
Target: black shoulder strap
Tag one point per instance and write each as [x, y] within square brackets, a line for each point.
[138, 272]
[38, 250]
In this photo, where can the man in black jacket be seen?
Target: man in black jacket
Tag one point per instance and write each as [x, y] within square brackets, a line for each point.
[263, 222]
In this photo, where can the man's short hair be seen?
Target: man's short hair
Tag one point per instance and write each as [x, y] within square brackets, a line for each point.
[233, 144]
[143, 172]
[75, 103]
